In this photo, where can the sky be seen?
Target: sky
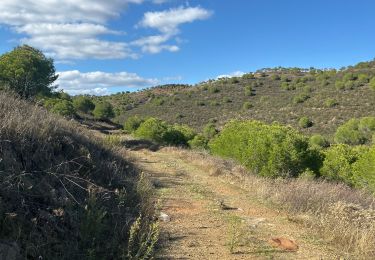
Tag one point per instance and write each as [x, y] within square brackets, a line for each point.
[103, 47]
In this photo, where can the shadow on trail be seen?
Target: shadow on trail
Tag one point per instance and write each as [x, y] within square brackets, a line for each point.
[136, 145]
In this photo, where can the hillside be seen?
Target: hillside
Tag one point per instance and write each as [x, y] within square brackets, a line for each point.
[64, 193]
[327, 97]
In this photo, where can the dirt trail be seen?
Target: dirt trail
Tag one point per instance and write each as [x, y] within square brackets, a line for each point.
[212, 217]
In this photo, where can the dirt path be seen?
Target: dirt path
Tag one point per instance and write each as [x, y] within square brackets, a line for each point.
[211, 217]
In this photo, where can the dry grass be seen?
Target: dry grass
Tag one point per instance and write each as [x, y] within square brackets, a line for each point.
[342, 216]
[64, 194]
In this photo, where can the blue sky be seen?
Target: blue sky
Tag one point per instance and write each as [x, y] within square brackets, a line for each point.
[102, 47]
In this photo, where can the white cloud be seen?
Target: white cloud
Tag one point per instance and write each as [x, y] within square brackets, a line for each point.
[167, 22]
[231, 75]
[98, 83]
[67, 29]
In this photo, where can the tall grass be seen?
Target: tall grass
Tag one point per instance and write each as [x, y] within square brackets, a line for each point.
[63, 193]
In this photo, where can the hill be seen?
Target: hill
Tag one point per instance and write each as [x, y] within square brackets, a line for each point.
[328, 97]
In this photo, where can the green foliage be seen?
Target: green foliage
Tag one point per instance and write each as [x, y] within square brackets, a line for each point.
[199, 142]
[213, 89]
[330, 102]
[132, 123]
[63, 108]
[364, 170]
[318, 141]
[249, 91]
[209, 131]
[247, 105]
[305, 122]
[372, 83]
[156, 130]
[227, 100]
[27, 71]
[338, 162]
[340, 85]
[152, 129]
[268, 150]
[356, 131]
[300, 98]
[103, 110]
[83, 104]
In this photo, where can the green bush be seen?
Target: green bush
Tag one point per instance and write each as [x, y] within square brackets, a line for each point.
[300, 98]
[227, 100]
[364, 170]
[213, 89]
[152, 129]
[305, 122]
[356, 131]
[372, 83]
[340, 85]
[247, 105]
[338, 162]
[63, 107]
[268, 150]
[132, 123]
[103, 110]
[331, 102]
[187, 132]
[209, 131]
[249, 91]
[199, 142]
[318, 141]
[83, 104]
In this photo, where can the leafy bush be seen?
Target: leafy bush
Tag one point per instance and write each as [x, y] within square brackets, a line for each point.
[372, 83]
[103, 110]
[300, 98]
[63, 108]
[249, 91]
[340, 85]
[268, 150]
[247, 105]
[132, 123]
[152, 129]
[356, 131]
[331, 102]
[199, 142]
[227, 100]
[159, 131]
[338, 163]
[318, 141]
[364, 170]
[209, 131]
[305, 122]
[213, 89]
[83, 104]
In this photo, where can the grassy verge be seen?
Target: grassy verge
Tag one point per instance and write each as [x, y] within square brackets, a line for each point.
[64, 194]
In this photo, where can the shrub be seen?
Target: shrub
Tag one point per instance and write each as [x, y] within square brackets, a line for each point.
[356, 131]
[372, 83]
[331, 102]
[275, 77]
[318, 141]
[214, 103]
[187, 132]
[338, 162]
[152, 129]
[247, 105]
[103, 110]
[340, 85]
[249, 91]
[305, 122]
[300, 98]
[83, 104]
[209, 131]
[132, 123]
[200, 103]
[63, 108]
[227, 100]
[364, 170]
[213, 89]
[199, 142]
[268, 150]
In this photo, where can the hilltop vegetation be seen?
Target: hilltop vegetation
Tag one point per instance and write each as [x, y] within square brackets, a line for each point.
[328, 98]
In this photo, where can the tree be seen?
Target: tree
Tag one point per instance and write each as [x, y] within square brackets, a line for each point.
[63, 107]
[27, 71]
[83, 104]
[103, 110]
